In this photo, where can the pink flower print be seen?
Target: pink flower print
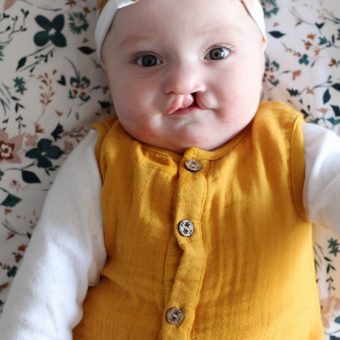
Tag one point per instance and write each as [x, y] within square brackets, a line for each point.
[9, 147]
[330, 307]
[31, 140]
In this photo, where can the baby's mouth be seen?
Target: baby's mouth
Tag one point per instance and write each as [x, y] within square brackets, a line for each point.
[194, 103]
[182, 102]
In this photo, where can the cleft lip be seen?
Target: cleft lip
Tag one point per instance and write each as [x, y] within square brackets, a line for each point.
[181, 102]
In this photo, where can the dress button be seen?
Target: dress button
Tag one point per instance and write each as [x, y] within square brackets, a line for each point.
[193, 165]
[186, 228]
[174, 316]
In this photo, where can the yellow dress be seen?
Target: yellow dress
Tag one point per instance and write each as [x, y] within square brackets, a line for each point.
[208, 244]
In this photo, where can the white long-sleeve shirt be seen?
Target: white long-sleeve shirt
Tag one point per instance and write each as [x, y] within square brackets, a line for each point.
[66, 253]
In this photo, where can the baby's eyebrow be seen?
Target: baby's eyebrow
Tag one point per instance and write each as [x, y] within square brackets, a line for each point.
[208, 29]
[132, 39]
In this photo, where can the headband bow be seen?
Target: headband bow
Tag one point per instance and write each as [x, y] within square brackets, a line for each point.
[108, 8]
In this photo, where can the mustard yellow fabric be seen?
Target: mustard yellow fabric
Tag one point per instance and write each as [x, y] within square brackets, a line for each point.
[246, 273]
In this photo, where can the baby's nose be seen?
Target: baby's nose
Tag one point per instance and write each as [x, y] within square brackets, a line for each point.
[183, 79]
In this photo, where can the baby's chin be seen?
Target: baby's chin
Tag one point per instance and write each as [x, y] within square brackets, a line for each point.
[179, 136]
[207, 139]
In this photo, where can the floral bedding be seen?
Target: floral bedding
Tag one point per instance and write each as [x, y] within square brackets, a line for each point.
[52, 88]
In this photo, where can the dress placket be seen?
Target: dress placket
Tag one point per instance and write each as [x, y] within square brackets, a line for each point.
[179, 311]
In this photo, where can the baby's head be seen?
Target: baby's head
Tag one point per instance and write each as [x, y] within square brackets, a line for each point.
[183, 73]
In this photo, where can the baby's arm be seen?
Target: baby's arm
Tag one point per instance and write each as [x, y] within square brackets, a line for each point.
[322, 180]
[65, 255]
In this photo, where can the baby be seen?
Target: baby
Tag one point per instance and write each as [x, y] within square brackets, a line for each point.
[189, 211]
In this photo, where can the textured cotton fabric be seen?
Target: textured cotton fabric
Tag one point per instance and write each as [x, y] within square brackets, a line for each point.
[230, 277]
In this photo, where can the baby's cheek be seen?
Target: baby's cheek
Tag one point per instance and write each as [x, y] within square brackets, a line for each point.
[210, 99]
[236, 90]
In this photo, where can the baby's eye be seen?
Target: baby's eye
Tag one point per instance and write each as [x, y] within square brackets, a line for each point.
[148, 60]
[218, 53]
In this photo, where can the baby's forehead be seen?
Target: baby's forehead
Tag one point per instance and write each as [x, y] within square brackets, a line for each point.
[107, 9]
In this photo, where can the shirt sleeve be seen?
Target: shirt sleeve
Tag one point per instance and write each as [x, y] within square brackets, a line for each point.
[64, 257]
[322, 176]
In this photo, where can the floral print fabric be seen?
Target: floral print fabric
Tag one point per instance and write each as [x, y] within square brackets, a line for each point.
[52, 88]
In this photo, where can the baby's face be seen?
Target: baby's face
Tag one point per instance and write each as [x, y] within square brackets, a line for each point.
[184, 73]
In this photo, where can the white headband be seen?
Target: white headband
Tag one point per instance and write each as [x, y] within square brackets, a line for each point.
[104, 20]
[109, 10]
[255, 10]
